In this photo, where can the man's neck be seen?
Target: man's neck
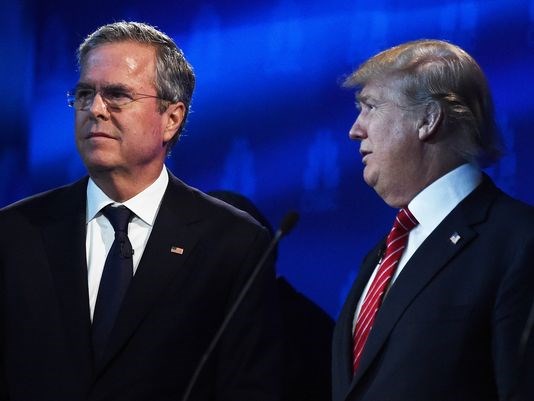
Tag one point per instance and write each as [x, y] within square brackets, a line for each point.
[121, 187]
[437, 167]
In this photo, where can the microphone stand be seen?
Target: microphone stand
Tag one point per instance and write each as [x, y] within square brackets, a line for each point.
[287, 224]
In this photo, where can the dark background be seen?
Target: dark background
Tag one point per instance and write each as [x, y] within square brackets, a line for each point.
[269, 118]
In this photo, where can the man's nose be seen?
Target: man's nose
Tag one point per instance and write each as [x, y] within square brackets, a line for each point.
[357, 131]
[98, 106]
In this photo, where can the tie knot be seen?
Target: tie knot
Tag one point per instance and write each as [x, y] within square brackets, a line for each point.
[119, 217]
[405, 221]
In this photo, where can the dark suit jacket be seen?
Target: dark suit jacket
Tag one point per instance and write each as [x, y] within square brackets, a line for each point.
[449, 327]
[170, 313]
[307, 351]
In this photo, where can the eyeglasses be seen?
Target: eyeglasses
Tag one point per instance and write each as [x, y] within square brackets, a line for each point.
[114, 97]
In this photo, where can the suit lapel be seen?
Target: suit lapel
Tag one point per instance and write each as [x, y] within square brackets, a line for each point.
[345, 329]
[429, 259]
[63, 236]
[159, 265]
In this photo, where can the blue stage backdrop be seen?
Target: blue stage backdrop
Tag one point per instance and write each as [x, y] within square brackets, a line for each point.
[269, 118]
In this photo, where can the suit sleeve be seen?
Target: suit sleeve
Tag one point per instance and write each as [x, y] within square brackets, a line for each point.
[514, 298]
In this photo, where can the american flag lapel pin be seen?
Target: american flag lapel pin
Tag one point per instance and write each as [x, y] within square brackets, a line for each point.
[454, 238]
[177, 250]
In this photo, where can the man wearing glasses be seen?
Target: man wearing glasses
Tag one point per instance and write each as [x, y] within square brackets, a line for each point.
[113, 287]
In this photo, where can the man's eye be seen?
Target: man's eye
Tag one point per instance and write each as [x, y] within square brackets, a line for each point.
[84, 93]
[368, 106]
[364, 106]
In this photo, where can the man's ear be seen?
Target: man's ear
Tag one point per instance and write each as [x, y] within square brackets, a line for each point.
[175, 115]
[430, 121]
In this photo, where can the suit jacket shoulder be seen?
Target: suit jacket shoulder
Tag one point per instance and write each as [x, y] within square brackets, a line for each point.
[54, 203]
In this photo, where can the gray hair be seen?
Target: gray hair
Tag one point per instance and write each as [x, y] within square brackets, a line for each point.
[434, 70]
[175, 79]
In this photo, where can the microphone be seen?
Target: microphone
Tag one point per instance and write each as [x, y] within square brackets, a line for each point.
[287, 224]
[525, 335]
[520, 383]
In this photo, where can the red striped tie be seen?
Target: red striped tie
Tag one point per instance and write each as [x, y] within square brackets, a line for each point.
[395, 244]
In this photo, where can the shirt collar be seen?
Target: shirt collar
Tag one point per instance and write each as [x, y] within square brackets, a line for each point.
[144, 205]
[437, 200]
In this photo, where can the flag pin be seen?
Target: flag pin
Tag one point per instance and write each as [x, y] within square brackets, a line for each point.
[177, 249]
[455, 238]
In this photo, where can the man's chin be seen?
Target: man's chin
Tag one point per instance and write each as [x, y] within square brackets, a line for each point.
[369, 178]
[96, 167]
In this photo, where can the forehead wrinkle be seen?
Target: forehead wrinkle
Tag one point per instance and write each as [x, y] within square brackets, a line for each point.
[387, 91]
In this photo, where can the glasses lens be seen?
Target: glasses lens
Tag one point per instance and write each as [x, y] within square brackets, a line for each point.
[116, 97]
[83, 98]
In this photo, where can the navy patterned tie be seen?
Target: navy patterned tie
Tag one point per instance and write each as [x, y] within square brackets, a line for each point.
[116, 277]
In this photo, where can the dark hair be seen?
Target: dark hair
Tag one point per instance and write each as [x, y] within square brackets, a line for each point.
[175, 79]
[434, 70]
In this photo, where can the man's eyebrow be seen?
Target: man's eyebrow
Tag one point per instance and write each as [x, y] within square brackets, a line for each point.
[83, 85]
[121, 87]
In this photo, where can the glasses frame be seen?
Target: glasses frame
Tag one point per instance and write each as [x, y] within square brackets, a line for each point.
[134, 97]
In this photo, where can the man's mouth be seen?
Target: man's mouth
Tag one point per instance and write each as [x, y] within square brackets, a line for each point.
[364, 154]
[92, 135]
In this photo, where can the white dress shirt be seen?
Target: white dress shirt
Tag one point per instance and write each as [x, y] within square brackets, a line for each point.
[430, 207]
[100, 234]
